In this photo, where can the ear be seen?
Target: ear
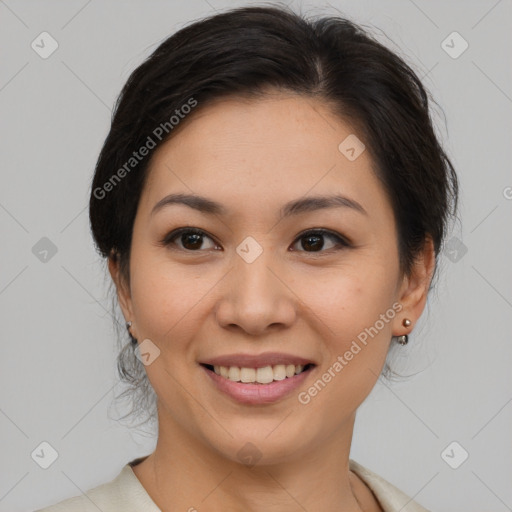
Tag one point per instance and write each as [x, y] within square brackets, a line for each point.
[414, 288]
[122, 288]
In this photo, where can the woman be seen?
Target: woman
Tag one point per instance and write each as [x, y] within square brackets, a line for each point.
[272, 200]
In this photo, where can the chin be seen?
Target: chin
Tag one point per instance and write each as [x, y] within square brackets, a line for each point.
[267, 442]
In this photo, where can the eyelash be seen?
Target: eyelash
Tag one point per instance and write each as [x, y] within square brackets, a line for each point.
[341, 243]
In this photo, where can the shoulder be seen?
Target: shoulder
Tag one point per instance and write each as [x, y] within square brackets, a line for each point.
[124, 492]
[390, 498]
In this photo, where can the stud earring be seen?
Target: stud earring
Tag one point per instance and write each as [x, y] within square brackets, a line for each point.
[403, 339]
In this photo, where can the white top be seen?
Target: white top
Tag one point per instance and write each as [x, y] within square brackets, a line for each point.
[126, 494]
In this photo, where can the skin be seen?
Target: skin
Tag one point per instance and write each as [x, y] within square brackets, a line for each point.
[253, 156]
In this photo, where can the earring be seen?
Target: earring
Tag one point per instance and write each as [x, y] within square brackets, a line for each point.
[403, 340]
[133, 340]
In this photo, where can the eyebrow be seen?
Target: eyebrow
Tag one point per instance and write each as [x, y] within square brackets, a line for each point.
[295, 207]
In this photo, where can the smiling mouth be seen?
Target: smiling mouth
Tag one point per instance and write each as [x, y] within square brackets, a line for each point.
[263, 375]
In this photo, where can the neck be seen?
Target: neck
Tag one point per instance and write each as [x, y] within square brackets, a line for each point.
[185, 473]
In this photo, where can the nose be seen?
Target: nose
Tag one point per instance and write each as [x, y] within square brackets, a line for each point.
[255, 297]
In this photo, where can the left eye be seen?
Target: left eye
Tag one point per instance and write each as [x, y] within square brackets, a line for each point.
[191, 239]
[314, 240]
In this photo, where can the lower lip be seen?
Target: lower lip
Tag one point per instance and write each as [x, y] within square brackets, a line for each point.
[258, 393]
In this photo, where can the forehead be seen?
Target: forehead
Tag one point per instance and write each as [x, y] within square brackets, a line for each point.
[279, 146]
[278, 123]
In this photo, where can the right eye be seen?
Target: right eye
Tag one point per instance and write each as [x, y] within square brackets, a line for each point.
[191, 239]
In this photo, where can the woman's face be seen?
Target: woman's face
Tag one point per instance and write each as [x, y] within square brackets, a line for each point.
[254, 282]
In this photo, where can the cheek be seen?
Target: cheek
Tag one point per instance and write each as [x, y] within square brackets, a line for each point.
[355, 345]
[351, 299]
[169, 299]
[160, 295]
[356, 308]
[167, 305]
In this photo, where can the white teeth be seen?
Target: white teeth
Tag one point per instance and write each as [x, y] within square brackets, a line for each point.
[234, 373]
[290, 370]
[263, 375]
[280, 372]
[247, 374]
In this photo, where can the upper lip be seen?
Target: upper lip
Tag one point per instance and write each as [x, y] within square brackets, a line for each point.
[256, 361]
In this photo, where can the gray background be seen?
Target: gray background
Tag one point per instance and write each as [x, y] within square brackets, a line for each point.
[58, 374]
